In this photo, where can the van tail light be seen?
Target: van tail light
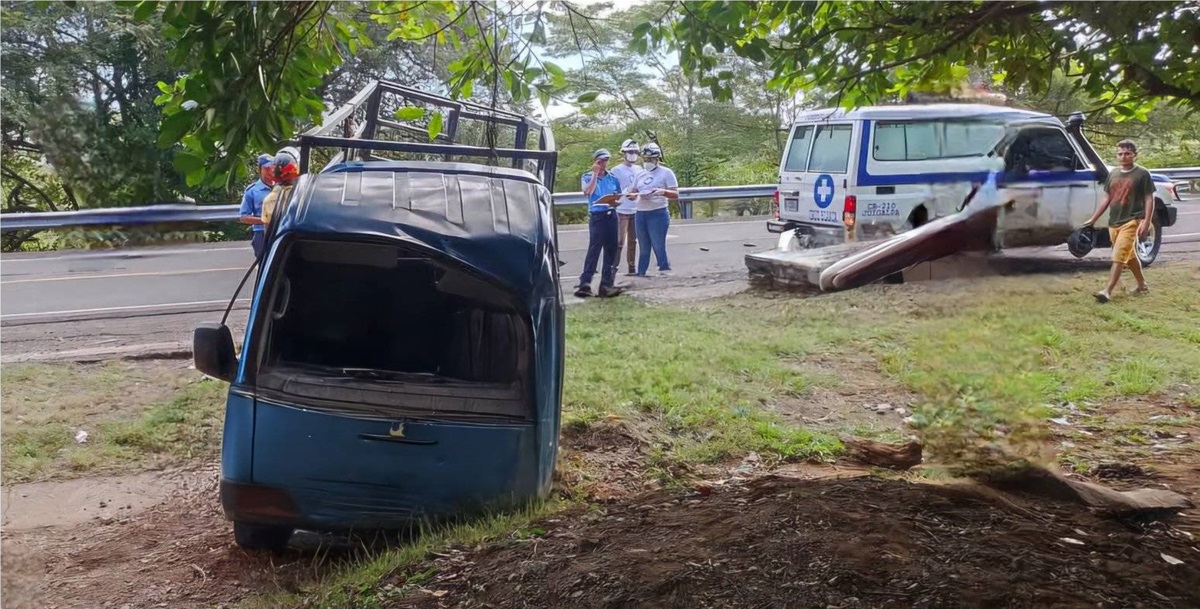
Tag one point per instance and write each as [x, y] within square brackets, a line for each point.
[775, 206]
[255, 502]
[850, 211]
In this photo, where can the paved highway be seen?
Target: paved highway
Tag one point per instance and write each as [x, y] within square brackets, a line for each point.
[78, 301]
[141, 281]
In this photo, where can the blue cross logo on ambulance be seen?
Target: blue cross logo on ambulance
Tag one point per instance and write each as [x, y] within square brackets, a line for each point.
[823, 190]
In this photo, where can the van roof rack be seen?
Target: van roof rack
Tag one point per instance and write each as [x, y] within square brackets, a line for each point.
[387, 117]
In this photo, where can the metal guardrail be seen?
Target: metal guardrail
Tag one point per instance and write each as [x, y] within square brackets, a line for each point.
[1179, 173]
[183, 213]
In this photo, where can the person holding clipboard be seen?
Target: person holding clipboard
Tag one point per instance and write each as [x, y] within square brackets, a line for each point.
[603, 192]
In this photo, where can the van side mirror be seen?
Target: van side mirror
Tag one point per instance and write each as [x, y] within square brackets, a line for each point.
[213, 352]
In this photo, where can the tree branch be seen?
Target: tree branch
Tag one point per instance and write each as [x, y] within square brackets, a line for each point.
[1156, 86]
[24, 181]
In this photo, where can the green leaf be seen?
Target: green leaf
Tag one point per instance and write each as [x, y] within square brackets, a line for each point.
[145, 10]
[554, 68]
[196, 177]
[588, 97]
[410, 113]
[186, 162]
[173, 11]
[435, 126]
[173, 128]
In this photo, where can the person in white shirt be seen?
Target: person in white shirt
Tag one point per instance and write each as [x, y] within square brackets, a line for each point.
[626, 231]
[655, 186]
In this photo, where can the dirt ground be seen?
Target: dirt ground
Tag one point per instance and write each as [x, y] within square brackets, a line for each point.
[857, 542]
[178, 552]
[743, 535]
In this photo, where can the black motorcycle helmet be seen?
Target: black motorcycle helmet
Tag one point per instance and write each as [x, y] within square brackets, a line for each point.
[1081, 241]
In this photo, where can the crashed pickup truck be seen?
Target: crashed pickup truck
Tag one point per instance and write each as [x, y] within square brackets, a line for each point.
[876, 172]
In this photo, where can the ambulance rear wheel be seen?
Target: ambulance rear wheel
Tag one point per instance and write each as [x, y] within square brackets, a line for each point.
[261, 536]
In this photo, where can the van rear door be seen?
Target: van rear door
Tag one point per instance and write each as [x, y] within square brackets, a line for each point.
[814, 173]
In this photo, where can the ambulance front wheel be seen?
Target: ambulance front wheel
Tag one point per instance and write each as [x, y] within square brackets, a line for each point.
[261, 536]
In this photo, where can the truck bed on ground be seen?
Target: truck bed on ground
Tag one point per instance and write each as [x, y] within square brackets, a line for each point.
[948, 246]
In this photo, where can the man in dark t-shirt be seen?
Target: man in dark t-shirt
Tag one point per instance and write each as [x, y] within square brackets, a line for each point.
[1130, 204]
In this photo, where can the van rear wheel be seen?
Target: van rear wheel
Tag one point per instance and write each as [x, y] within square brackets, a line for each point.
[261, 536]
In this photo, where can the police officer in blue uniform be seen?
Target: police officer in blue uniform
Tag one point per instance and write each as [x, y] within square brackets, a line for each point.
[602, 189]
[252, 201]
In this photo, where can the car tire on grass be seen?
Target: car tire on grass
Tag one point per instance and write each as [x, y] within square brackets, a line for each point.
[1146, 248]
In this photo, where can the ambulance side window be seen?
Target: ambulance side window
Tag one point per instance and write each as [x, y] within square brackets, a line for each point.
[831, 149]
[797, 154]
[906, 141]
[934, 139]
[1040, 149]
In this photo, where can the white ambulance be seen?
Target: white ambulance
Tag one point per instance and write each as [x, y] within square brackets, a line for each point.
[874, 172]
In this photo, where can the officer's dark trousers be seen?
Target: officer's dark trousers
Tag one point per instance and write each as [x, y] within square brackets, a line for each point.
[602, 239]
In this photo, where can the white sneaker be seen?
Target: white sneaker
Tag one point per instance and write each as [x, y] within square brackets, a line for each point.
[664, 273]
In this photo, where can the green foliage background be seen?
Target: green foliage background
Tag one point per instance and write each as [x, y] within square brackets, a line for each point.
[139, 102]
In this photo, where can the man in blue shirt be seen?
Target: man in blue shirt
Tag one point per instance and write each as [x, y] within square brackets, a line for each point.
[602, 190]
[252, 201]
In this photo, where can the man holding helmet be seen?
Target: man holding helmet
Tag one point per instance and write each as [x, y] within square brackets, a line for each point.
[655, 186]
[626, 171]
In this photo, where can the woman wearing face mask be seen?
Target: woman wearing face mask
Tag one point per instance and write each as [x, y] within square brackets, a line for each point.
[656, 186]
[625, 172]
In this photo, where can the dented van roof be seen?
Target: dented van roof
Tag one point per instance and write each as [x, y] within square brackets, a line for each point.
[490, 218]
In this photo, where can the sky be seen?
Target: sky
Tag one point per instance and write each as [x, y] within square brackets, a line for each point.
[558, 109]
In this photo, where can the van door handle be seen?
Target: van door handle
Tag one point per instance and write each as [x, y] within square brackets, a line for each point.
[790, 193]
[378, 437]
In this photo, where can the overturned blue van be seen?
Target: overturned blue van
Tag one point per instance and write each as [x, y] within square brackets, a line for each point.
[403, 356]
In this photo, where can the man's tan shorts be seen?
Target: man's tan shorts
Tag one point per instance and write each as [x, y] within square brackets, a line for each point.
[1123, 237]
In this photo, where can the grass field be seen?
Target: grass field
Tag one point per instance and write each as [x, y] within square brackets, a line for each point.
[136, 415]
